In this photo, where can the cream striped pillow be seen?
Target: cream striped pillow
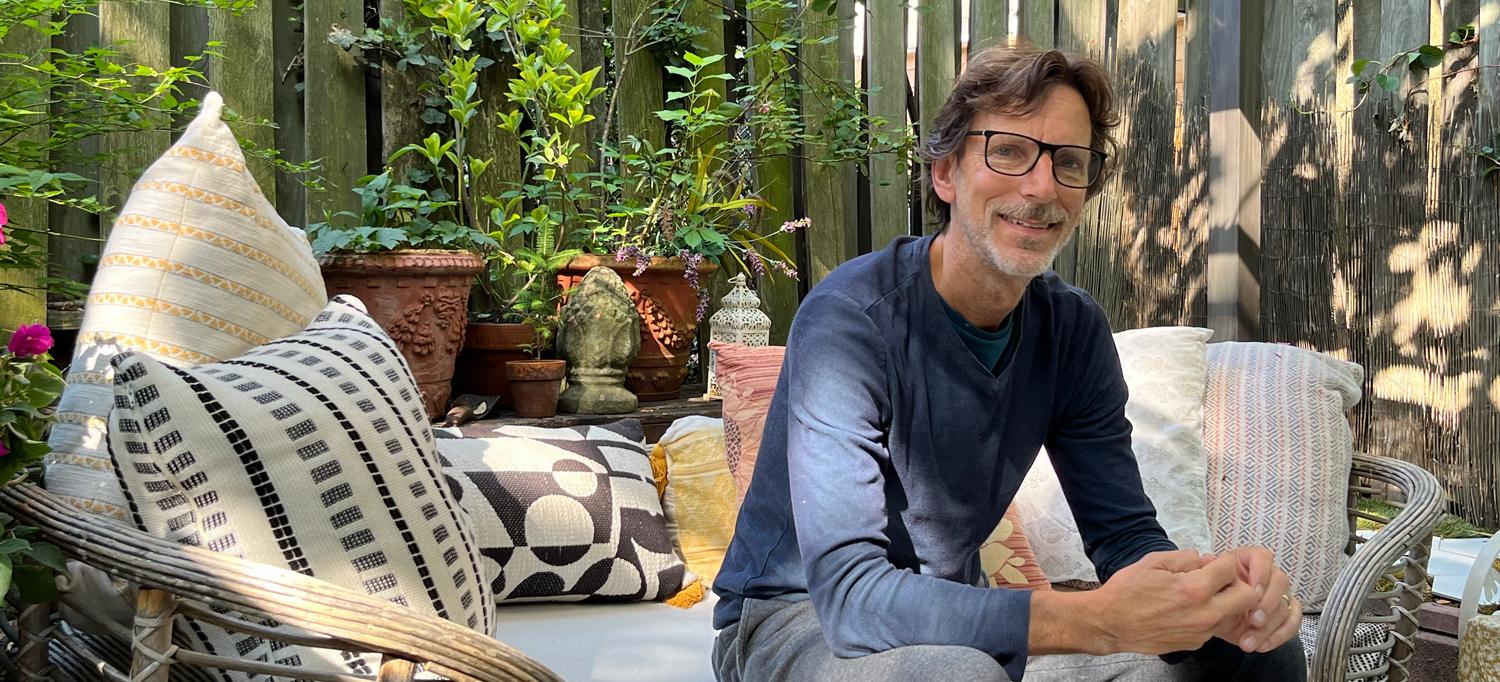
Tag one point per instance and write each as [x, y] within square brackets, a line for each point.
[198, 268]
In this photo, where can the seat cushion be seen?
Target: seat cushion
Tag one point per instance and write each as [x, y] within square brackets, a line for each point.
[1365, 635]
[639, 642]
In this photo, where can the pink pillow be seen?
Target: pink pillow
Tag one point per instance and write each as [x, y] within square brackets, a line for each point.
[747, 380]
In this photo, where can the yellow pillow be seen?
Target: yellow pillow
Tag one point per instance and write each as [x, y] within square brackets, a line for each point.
[700, 497]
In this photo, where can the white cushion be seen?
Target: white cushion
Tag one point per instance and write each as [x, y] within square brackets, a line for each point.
[311, 453]
[198, 268]
[1164, 369]
[1279, 452]
[639, 642]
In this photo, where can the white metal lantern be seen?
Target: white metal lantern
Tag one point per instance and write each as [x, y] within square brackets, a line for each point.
[739, 321]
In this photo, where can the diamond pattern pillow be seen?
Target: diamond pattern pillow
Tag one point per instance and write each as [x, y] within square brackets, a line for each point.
[566, 514]
[198, 268]
[311, 453]
[1279, 453]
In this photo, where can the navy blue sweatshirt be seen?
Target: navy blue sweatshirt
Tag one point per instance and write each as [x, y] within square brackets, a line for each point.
[890, 453]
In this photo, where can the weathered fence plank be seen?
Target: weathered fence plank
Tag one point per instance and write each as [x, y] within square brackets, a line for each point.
[778, 293]
[886, 80]
[401, 98]
[290, 112]
[828, 189]
[135, 30]
[1234, 192]
[937, 66]
[1038, 22]
[640, 93]
[241, 77]
[989, 23]
[76, 233]
[27, 216]
[335, 129]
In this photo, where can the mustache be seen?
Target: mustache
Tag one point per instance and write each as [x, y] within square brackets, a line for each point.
[1033, 212]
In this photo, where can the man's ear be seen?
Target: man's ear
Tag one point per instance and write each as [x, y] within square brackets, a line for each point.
[943, 171]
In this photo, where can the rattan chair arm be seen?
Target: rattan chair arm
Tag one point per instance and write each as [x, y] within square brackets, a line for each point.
[264, 591]
[1404, 538]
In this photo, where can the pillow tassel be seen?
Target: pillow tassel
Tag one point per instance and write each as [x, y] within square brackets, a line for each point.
[688, 596]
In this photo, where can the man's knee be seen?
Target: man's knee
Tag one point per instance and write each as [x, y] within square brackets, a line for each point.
[943, 662]
[1286, 662]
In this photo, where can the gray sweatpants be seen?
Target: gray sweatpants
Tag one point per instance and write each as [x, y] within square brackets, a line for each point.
[781, 640]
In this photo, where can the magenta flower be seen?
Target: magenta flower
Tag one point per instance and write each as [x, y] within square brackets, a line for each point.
[4, 218]
[29, 340]
[3, 450]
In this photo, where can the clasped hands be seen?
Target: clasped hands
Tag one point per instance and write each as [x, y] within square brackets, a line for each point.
[1175, 601]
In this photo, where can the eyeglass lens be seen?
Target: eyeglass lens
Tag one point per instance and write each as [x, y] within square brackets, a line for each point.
[1015, 155]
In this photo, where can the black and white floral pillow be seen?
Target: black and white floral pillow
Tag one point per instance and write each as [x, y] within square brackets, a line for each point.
[566, 514]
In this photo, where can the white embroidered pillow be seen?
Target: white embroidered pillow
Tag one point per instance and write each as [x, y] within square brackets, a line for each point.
[1165, 370]
[1279, 453]
[311, 453]
[566, 514]
[198, 268]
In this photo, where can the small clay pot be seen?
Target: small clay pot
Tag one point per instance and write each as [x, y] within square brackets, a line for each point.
[535, 385]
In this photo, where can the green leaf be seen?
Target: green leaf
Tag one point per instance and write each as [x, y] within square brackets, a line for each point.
[48, 554]
[36, 584]
[1358, 67]
[1387, 82]
[5, 573]
[12, 545]
[1429, 56]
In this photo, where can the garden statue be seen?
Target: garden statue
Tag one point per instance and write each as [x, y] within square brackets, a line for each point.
[599, 336]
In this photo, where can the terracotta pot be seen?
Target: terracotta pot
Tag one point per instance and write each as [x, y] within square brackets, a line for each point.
[421, 299]
[535, 385]
[668, 306]
[481, 363]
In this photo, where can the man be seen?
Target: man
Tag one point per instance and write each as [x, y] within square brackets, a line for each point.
[919, 384]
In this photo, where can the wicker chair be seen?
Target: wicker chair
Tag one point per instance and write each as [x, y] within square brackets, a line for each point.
[180, 580]
[1383, 584]
[1386, 578]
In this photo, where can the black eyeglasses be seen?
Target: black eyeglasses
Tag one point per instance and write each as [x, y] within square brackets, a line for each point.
[1016, 154]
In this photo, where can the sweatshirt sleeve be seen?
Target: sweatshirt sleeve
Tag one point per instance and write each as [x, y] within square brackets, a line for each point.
[1090, 449]
[837, 466]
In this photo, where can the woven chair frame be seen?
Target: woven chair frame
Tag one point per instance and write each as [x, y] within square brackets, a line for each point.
[200, 581]
[1397, 553]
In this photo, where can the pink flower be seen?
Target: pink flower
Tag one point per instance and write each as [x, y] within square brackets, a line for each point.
[4, 218]
[3, 451]
[29, 340]
[794, 225]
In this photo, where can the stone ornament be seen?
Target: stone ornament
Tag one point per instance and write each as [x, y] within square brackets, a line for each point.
[599, 337]
[741, 321]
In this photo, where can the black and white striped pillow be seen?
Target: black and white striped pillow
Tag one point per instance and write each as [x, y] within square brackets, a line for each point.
[312, 453]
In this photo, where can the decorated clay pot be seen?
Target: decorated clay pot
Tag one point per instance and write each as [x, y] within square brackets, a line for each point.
[668, 306]
[535, 385]
[421, 299]
[481, 363]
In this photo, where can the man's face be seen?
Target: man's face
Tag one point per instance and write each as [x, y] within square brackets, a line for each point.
[1017, 224]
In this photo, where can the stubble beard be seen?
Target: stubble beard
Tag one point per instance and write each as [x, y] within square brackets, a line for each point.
[1037, 257]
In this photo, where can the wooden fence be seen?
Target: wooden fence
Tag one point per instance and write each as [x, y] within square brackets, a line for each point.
[1253, 196]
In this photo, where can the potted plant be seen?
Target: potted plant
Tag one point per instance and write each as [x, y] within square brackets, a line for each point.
[420, 238]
